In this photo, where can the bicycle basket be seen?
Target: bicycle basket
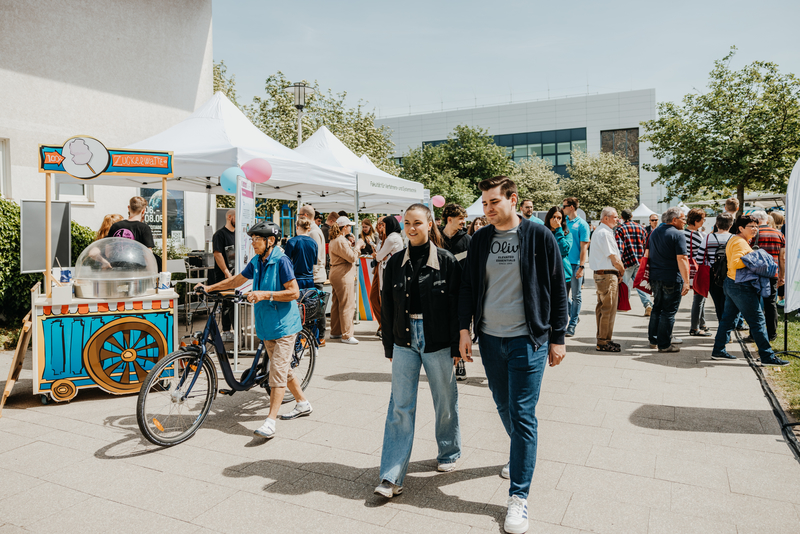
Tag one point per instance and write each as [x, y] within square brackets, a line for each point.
[312, 304]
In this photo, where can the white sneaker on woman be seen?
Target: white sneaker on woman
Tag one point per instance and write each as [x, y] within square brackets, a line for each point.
[516, 515]
[350, 341]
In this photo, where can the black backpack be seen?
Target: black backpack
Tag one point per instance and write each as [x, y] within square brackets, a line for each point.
[719, 271]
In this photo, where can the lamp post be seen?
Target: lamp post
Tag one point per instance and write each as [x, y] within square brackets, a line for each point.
[300, 90]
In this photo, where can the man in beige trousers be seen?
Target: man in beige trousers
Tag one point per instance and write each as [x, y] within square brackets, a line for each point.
[604, 259]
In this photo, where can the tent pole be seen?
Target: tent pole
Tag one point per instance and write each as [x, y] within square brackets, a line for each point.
[357, 319]
[48, 265]
[164, 211]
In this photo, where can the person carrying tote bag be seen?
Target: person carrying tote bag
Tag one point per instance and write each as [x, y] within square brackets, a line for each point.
[702, 280]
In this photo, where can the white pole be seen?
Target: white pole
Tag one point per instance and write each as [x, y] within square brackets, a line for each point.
[357, 318]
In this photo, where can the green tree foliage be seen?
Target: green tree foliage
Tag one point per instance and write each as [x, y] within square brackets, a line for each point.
[276, 116]
[81, 237]
[455, 168]
[536, 181]
[600, 180]
[225, 84]
[743, 134]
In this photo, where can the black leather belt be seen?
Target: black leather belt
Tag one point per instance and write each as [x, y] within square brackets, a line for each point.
[607, 271]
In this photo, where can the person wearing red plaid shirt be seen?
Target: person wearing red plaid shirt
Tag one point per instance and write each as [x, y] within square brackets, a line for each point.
[631, 239]
[772, 241]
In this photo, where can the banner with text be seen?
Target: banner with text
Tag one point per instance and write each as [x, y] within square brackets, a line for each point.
[390, 186]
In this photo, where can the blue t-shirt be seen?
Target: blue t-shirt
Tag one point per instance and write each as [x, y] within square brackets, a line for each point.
[285, 270]
[302, 250]
[579, 231]
[666, 244]
[536, 219]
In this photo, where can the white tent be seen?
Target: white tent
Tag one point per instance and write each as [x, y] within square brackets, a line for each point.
[377, 191]
[218, 136]
[643, 212]
[793, 241]
[476, 210]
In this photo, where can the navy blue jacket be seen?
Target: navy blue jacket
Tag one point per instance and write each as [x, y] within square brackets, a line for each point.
[543, 283]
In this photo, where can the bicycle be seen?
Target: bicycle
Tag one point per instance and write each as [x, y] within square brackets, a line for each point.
[176, 396]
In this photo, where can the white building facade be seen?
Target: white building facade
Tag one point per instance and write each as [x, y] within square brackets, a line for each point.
[117, 70]
[549, 129]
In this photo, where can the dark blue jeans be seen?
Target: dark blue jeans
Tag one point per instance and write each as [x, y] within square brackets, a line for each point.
[666, 300]
[744, 299]
[514, 369]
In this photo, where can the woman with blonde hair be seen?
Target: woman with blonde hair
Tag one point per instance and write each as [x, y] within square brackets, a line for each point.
[108, 222]
[343, 279]
[776, 220]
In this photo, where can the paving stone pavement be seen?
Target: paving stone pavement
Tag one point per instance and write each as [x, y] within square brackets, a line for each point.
[634, 441]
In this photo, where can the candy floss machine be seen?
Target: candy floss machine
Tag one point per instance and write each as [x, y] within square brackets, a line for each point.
[115, 267]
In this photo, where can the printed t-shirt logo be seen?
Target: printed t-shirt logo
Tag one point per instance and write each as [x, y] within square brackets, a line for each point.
[124, 232]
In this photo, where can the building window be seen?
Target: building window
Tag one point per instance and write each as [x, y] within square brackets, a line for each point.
[5, 169]
[74, 192]
[287, 221]
[622, 142]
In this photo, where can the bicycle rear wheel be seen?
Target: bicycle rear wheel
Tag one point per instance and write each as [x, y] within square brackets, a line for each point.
[304, 358]
[165, 413]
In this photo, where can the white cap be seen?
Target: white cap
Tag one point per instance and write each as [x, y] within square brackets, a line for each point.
[344, 221]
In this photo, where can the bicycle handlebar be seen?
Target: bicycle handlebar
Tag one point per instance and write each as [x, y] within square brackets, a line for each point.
[235, 295]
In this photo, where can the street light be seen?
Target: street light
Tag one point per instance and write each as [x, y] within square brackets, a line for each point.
[300, 90]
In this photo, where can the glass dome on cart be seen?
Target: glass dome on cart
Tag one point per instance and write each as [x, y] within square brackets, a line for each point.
[115, 267]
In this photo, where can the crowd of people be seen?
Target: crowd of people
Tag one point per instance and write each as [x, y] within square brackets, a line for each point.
[510, 282]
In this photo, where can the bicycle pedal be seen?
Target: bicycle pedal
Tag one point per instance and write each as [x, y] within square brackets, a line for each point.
[228, 392]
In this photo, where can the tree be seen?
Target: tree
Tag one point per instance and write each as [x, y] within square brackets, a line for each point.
[600, 180]
[743, 134]
[536, 181]
[276, 116]
[226, 85]
[454, 168]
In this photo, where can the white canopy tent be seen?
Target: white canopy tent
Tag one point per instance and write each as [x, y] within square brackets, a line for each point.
[793, 241]
[218, 136]
[476, 210]
[643, 212]
[376, 191]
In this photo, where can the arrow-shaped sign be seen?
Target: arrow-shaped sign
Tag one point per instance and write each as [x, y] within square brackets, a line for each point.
[53, 158]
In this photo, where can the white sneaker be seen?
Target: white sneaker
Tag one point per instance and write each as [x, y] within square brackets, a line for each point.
[267, 430]
[227, 337]
[350, 341]
[446, 468]
[676, 340]
[298, 411]
[505, 472]
[516, 516]
[388, 490]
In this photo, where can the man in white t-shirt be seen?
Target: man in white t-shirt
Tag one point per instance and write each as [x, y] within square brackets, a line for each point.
[604, 259]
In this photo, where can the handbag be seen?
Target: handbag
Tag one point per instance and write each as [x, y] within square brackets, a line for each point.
[702, 280]
[624, 302]
[642, 279]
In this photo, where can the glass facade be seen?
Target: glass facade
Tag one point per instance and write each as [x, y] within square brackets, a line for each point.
[552, 145]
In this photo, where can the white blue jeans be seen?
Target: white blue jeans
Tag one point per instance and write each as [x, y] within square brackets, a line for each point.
[398, 435]
[514, 369]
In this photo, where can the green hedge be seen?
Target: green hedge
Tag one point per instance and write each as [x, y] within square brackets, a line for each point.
[15, 297]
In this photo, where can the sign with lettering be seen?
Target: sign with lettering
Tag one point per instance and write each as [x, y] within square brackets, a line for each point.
[86, 158]
[396, 187]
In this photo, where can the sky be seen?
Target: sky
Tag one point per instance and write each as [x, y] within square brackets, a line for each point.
[421, 56]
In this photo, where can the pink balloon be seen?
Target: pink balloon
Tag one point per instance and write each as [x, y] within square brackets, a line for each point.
[399, 218]
[257, 170]
[437, 201]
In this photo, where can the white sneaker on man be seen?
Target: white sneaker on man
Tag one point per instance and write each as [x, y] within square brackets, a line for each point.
[446, 467]
[300, 410]
[516, 515]
[350, 341]
[505, 472]
[267, 430]
[388, 490]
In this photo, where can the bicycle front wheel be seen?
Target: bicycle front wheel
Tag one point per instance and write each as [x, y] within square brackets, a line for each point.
[176, 398]
[303, 360]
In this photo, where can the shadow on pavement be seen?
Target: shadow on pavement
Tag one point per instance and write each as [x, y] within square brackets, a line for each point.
[421, 492]
[691, 419]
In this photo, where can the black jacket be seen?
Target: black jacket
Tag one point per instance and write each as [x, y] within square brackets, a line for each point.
[458, 245]
[543, 284]
[439, 283]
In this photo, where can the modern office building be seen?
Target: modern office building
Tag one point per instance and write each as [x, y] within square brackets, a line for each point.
[549, 129]
[115, 70]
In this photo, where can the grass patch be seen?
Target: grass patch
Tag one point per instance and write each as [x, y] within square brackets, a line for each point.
[9, 337]
[786, 380]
